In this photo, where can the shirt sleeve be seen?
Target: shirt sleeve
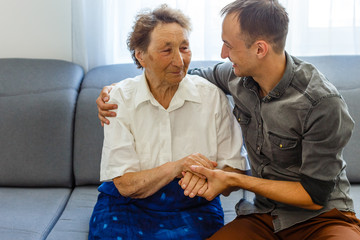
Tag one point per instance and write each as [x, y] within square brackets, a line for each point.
[220, 75]
[326, 132]
[230, 140]
[118, 153]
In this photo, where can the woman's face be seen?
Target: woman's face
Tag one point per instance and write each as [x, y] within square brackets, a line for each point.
[168, 56]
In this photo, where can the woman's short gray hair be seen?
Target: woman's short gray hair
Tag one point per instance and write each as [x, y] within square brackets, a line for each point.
[146, 21]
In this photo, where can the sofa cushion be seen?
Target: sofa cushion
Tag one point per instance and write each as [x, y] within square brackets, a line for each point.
[37, 105]
[31, 76]
[74, 222]
[28, 213]
[228, 203]
[344, 73]
[88, 139]
[88, 135]
[355, 194]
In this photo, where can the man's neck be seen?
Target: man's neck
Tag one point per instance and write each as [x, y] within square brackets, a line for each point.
[270, 74]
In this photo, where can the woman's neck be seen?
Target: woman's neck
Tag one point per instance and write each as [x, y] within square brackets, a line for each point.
[163, 92]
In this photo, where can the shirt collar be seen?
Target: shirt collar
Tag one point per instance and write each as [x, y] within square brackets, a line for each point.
[285, 81]
[283, 84]
[187, 91]
[143, 93]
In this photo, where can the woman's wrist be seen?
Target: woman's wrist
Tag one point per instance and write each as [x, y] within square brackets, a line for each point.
[172, 169]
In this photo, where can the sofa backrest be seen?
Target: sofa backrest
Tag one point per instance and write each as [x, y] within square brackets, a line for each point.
[88, 135]
[37, 105]
[342, 71]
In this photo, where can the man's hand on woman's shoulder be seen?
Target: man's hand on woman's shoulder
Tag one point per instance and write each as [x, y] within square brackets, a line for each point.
[104, 107]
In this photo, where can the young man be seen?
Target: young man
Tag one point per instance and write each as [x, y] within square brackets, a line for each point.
[295, 125]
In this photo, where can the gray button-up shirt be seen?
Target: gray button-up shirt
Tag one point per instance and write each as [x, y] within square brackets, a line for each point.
[296, 132]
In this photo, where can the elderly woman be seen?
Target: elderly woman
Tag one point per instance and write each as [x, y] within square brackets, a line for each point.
[164, 120]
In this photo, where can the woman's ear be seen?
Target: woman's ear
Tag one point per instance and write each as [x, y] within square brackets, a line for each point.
[262, 48]
[140, 57]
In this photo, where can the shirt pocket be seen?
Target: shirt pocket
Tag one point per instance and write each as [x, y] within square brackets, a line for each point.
[243, 119]
[286, 151]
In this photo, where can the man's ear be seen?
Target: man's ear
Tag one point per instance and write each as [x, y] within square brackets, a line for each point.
[262, 48]
[140, 57]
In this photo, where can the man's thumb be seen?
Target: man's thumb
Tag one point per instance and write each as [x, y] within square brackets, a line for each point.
[199, 169]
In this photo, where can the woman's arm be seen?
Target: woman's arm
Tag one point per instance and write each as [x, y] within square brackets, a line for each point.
[144, 183]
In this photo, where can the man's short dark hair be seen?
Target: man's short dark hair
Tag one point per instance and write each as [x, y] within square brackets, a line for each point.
[145, 23]
[261, 19]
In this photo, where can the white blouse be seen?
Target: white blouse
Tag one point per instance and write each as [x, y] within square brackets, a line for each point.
[144, 135]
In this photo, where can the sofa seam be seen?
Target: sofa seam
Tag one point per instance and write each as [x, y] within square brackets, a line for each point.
[39, 92]
[55, 219]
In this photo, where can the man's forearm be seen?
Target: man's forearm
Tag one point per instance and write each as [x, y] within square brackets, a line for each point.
[291, 193]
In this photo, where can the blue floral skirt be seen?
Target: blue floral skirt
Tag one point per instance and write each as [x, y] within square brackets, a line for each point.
[167, 214]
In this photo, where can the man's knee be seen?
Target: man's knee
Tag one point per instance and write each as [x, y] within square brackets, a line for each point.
[255, 226]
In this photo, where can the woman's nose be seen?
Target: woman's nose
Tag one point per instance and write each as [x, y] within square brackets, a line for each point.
[178, 59]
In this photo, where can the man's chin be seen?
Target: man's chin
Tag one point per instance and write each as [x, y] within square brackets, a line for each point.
[238, 73]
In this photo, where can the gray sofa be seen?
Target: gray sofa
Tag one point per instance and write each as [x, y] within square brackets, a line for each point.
[51, 142]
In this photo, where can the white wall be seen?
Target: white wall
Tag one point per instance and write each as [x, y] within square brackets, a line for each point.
[35, 29]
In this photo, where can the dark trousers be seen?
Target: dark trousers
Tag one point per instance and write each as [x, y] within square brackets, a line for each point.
[327, 226]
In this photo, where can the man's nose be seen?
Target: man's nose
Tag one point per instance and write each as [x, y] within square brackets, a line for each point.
[224, 52]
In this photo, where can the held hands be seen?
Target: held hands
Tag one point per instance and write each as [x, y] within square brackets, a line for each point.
[217, 181]
[193, 183]
[196, 185]
[104, 107]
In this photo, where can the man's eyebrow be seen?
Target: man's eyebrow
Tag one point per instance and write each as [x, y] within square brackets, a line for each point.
[227, 43]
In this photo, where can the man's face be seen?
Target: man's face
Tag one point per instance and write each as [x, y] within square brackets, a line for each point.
[168, 55]
[234, 47]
